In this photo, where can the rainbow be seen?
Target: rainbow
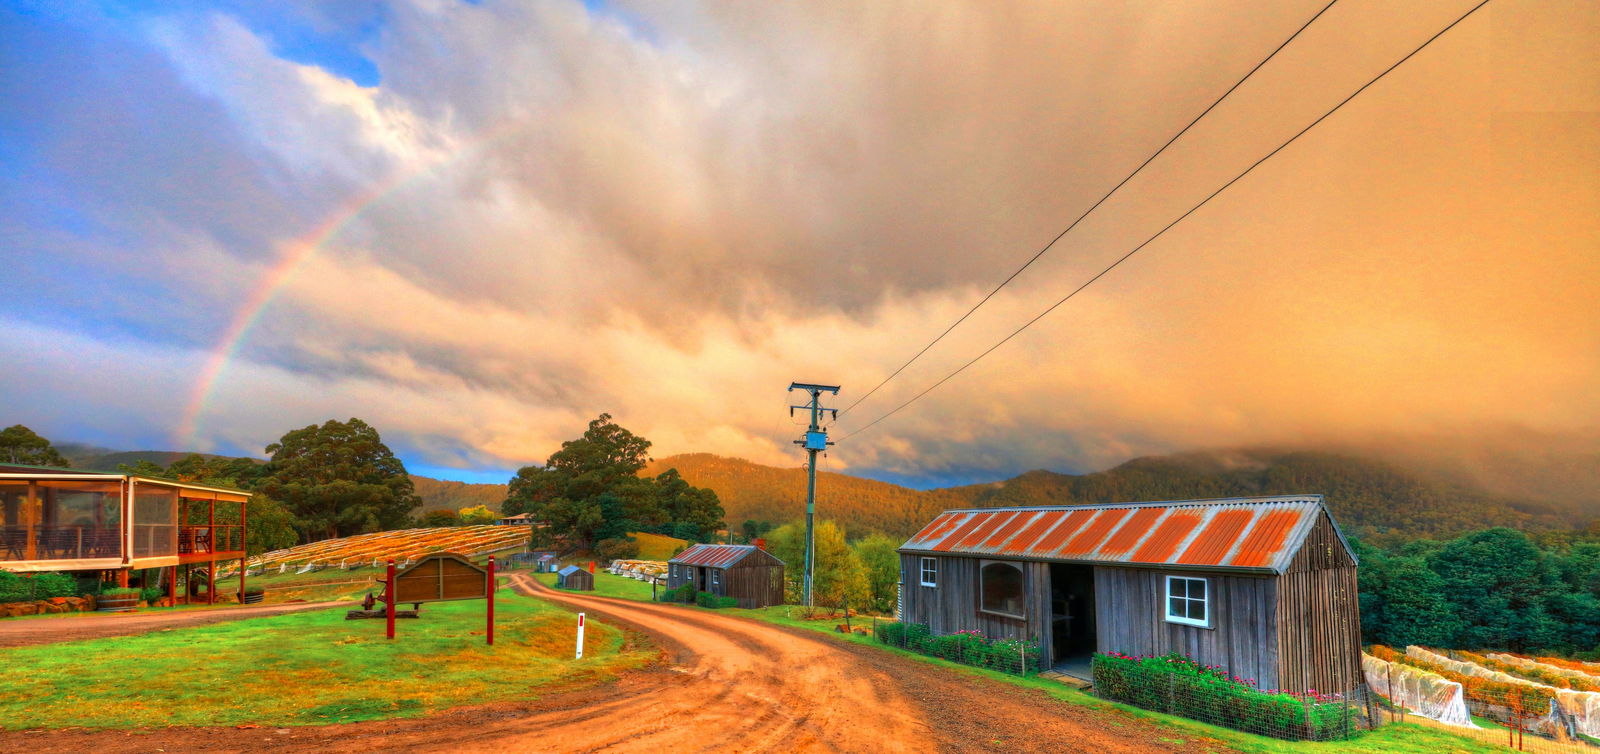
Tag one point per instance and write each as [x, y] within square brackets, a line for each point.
[294, 256]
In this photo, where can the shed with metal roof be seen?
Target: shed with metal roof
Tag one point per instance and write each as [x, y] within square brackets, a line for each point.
[1264, 586]
[573, 577]
[747, 573]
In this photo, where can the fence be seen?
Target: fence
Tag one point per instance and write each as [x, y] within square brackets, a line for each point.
[1178, 686]
[966, 647]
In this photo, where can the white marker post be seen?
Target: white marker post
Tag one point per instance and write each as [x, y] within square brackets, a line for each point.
[580, 637]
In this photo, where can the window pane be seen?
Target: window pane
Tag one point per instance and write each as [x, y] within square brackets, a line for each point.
[1175, 607]
[1197, 610]
[1178, 587]
[1001, 588]
[1197, 588]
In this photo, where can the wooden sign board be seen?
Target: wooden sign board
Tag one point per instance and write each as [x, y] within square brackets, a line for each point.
[441, 577]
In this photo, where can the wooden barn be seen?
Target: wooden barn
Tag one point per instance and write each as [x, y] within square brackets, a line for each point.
[573, 577]
[1264, 586]
[744, 572]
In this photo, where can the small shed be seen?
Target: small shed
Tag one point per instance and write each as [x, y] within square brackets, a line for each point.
[521, 519]
[1263, 586]
[573, 577]
[744, 572]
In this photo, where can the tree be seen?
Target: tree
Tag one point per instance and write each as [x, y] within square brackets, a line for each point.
[441, 518]
[880, 560]
[270, 526]
[1500, 580]
[18, 444]
[590, 490]
[477, 515]
[144, 467]
[339, 479]
[839, 578]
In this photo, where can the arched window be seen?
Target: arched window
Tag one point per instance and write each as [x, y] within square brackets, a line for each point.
[1000, 589]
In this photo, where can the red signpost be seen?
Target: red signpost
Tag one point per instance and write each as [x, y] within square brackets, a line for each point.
[489, 632]
[389, 602]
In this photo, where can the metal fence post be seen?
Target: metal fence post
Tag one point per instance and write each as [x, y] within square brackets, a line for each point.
[1172, 692]
[1024, 670]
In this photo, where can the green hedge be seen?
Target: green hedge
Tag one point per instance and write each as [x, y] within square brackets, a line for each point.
[18, 588]
[1180, 686]
[687, 595]
[707, 599]
[966, 647]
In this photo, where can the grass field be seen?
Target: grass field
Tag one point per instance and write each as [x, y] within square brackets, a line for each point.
[657, 546]
[307, 669]
[607, 585]
[1406, 738]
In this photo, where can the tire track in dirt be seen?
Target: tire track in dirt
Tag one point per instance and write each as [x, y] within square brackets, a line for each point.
[725, 684]
[21, 632]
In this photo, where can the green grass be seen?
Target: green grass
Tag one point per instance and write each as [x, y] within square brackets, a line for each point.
[608, 585]
[307, 669]
[657, 546]
[1398, 738]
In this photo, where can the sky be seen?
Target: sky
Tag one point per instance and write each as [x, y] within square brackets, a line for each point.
[478, 225]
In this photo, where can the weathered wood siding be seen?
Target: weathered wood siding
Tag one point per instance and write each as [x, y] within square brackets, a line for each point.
[1319, 616]
[1130, 618]
[953, 604]
[756, 580]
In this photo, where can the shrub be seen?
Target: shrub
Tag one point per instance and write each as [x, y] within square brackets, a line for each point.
[1180, 686]
[684, 594]
[120, 591]
[47, 585]
[152, 594]
[617, 548]
[707, 599]
[1012, 656]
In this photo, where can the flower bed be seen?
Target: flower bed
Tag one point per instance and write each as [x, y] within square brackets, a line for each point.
[1180, 686]
[966, 647]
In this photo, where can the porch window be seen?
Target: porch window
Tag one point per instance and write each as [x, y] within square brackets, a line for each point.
[1000, 589]
[1189, 601]
[930, 572]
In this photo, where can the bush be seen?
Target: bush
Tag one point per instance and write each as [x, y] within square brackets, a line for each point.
[618, 548]
[1012, 656]
[152, 594]
[1180, 686]
[684, 594]
[120, 591]
[707, 599]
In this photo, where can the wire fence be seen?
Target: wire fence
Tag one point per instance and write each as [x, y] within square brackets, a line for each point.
[1205, 694]
[1011, 656]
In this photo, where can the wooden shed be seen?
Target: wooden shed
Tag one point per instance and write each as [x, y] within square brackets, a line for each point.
[1263, 586]
[744, 572]
[573, 577]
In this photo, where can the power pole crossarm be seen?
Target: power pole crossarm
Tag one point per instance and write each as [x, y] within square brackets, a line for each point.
[815, 441]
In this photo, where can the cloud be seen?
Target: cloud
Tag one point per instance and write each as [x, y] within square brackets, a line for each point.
[668, 211]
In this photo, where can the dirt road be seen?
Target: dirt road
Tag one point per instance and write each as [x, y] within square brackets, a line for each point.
[19, 632]
[726, 684]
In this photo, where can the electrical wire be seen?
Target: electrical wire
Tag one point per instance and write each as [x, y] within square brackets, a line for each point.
[1091, 209]
[1169, 226]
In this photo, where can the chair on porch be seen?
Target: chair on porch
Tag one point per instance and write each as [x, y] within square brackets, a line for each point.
[14, 539]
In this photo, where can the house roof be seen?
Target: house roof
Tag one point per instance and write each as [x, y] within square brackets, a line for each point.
[567, 571]
[716, 556]
[518, 517]
[22, 471]
[1250, 534]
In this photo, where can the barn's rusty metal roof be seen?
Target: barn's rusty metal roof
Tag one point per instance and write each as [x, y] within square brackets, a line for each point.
[715, 556]
[1251, 533]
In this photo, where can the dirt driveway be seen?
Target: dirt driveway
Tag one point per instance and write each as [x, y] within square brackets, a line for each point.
[18, 632]
[726, 684]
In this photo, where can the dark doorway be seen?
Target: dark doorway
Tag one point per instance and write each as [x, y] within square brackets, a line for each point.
[1072, 638]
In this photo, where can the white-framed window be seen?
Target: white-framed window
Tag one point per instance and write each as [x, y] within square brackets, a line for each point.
[716, 577]
[930, 572]
[676, 572]
[1189, 601]
[1000, 588]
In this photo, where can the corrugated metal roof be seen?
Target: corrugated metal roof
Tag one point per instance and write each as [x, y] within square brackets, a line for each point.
[1254, 533]
[716, 556]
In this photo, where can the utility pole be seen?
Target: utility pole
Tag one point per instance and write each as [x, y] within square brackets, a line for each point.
[815, 441]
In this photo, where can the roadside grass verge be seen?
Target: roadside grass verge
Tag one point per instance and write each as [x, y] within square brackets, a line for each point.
[1396, 738]
[311, 668]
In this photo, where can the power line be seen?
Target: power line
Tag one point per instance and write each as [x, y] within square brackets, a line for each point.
[1169, 226]
[1092, 208]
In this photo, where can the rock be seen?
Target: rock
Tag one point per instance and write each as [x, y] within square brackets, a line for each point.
[58, 600]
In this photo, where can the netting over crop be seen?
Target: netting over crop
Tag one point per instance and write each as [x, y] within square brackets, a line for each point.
[1420, 691]
[400, 545]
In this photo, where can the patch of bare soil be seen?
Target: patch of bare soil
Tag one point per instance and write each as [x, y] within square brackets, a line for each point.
[726, 684]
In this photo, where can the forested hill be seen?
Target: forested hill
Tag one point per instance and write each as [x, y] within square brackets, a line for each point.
[1370, 498]
[443, 494]
[751, 491]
